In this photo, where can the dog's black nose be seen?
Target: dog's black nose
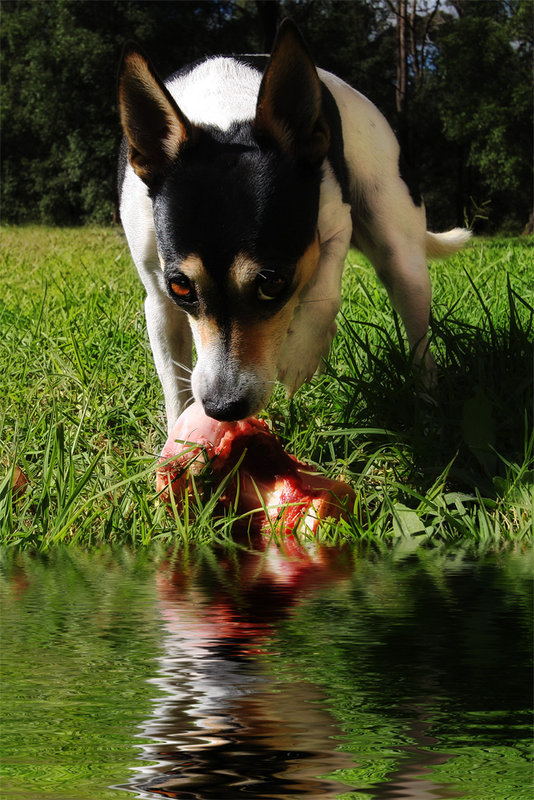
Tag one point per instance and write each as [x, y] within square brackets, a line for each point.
[226, 410]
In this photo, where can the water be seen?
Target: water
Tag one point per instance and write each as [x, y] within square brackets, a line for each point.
[218, 675]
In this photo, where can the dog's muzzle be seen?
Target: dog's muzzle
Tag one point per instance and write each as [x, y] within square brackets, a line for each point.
[228, 394]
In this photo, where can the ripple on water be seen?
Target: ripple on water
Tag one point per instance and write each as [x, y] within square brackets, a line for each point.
[231, 675]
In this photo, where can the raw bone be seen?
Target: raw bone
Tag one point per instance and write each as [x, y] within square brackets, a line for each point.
[268, 481]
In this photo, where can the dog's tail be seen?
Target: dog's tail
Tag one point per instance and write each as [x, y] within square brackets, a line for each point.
[441, 245]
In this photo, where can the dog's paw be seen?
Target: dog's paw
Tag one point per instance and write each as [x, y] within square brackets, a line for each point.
[425, 369]
[302, 354]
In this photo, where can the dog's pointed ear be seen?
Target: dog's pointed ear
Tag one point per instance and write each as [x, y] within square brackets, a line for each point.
[289, 110]
[154, 126]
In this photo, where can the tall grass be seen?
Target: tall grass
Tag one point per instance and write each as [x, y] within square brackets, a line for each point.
[81, 407]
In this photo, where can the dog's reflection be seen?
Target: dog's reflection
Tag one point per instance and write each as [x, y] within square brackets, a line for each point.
[223, 725]
[232, 718]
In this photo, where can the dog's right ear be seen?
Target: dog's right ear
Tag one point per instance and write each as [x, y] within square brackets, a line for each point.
[153, 124]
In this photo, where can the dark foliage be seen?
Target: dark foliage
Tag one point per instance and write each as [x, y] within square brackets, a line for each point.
[466, 124]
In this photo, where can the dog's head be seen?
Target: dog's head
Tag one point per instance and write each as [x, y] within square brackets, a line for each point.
[235, 215]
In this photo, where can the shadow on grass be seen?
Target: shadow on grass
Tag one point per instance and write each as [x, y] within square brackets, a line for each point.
[479, 420]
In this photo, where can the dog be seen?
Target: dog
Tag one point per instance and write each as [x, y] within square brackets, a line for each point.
[243, 181]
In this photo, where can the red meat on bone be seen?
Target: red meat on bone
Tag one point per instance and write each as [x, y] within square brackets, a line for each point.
[265, 480]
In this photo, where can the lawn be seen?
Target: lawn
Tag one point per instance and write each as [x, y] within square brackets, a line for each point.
[81, 411]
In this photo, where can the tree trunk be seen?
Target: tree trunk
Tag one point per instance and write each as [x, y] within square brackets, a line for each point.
[402, 54]
[461, 198]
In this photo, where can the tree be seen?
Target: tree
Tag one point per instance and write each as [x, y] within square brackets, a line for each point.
[452, 76]
[464, 106]
[59, 119]
[484, 83]
[55, 137]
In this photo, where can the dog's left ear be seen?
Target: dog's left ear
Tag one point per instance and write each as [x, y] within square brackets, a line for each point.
[154, 126]
[289, 109]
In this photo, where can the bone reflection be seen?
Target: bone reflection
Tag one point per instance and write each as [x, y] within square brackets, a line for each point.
[223, 725]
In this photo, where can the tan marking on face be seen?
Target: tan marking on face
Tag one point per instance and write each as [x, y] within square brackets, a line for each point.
[245, 270]
[253, 347]
[258, 344]
[206, 333]
[242, 272]
[193, 268]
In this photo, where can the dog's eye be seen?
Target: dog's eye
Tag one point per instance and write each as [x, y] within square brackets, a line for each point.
[271, 288]
[182, 288]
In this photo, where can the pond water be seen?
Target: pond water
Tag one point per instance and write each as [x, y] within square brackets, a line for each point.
[219, 674]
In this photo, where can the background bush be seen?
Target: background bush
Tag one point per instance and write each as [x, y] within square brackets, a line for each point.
[464, 120]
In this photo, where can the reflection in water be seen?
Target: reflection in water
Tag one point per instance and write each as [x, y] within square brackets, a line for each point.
[353, 674]
[413, 778]
[227, 724]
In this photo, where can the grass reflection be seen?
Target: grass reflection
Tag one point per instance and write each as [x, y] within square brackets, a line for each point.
[393, 673]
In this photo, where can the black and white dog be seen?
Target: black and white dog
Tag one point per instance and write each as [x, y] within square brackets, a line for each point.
[243, 182]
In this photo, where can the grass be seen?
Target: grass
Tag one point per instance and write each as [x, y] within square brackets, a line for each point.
[81, 407]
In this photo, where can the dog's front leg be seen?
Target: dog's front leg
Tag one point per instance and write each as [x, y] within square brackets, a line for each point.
[167, 325]
[313, 324]
[170, 339]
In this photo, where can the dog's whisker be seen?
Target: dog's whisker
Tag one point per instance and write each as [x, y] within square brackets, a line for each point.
[318, 300]
[266, 273]
[182, 366]
[189, 403]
